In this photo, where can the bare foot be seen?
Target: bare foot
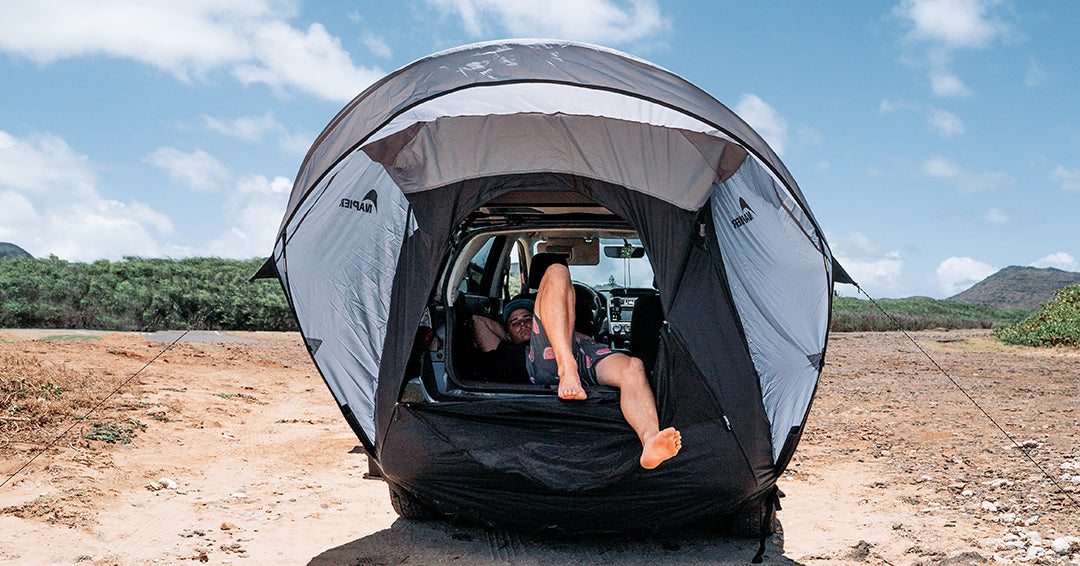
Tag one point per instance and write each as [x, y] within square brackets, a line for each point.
[570, 388]
[659, 447]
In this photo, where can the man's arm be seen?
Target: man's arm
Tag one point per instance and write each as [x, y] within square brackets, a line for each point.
[488, 333]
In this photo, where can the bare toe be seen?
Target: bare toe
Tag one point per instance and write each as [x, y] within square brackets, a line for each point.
[660, 447]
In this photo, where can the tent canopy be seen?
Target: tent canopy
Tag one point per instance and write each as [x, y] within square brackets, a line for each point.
[383, 187]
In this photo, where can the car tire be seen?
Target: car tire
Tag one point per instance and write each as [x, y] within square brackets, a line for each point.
[408, 506]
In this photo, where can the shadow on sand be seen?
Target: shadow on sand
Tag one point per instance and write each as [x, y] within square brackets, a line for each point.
[442, 542]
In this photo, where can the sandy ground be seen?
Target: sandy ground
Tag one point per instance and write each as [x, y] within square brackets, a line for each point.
[897, 466]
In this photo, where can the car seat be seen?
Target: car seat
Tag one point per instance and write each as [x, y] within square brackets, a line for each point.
[645, 325]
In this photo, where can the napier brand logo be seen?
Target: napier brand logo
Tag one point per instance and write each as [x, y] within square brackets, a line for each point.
[744, 218]
[369, 204]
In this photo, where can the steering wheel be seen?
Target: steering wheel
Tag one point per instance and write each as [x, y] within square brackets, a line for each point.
[590, 309]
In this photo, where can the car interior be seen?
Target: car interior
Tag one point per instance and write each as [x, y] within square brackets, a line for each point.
[498, 259]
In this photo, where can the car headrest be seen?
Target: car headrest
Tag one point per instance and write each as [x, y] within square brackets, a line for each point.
[540, 263]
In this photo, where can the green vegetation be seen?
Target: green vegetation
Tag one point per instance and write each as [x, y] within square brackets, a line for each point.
[140, 294]
[241, 397]
[123, 432]
[1056, 324]
[916, 313]
[69, 338]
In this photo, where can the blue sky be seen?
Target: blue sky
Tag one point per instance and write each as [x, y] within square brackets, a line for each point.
[937, 141]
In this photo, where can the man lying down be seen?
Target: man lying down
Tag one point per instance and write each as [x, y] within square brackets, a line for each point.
[539, 345]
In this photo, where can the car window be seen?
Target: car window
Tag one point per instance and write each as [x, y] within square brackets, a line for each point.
[474, 272]
[513, 281]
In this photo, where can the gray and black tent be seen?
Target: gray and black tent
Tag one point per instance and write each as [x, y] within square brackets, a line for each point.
[556, 133]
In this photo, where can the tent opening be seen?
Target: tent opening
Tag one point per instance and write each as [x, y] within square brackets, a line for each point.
[617, 303]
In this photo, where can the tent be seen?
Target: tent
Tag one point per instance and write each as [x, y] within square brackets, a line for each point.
[742, 269]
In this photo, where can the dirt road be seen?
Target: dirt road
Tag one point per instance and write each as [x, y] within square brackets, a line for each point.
[236, 454]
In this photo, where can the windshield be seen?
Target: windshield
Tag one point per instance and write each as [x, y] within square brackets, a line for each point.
[614, 272]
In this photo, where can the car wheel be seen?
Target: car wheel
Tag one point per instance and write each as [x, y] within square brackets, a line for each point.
[407, 505]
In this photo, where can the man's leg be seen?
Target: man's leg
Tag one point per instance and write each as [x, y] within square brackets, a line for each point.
[555, 308]
[639, 407]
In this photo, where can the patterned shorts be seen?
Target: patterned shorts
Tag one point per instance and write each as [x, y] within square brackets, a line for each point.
[541, 359]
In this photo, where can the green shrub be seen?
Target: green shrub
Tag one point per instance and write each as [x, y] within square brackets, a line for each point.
[140, 294]
[1056, 324]
[123, 432]
[915, 313]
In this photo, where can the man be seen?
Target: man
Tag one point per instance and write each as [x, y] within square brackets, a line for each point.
[556, 354]
[504, 349]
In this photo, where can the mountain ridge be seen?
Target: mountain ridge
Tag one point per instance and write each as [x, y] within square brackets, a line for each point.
[11, 250]
[1017, 288]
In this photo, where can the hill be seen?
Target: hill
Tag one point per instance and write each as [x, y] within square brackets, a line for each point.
[1020, 288]
[11, 250]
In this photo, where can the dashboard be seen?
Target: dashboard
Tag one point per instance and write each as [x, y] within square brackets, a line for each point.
[621, 302]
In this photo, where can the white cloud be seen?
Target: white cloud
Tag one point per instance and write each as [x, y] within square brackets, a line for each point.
[189, 39]
[967, 181]
[1068, 179]
[996, 216]
[1060, 260]
[952, 23]
[377, 46]
[42, 163]
[49, 204]
[947, 85]
[944, 26]
[808, 136]
[198, 170]
[765, 120]
[958, 273]
[888, 106]
[16, 211]
[261, 128]
[248, 128]
[180, 37]
[254, 213]
[296, 143]
[874, 269]
[945, 123]
[1036, 76]
[313, 62]
[597, 21]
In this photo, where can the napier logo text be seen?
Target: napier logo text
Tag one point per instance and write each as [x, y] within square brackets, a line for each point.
[369, 204]
[744, 218]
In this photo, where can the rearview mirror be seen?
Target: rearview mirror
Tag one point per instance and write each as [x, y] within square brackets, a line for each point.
[624, 252]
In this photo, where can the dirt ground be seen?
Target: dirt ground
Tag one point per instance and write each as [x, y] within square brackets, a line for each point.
[238, 455]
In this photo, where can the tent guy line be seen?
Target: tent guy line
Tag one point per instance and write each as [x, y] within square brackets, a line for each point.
[93, 409]
[1021, 447]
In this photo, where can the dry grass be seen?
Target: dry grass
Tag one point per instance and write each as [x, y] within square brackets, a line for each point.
[69, 507]
[37, 395]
